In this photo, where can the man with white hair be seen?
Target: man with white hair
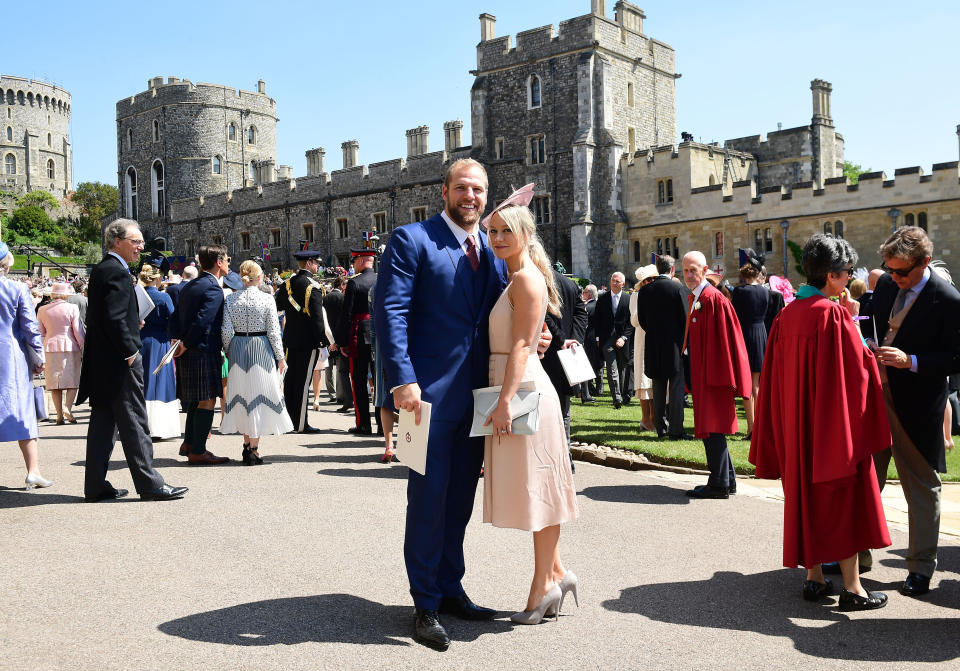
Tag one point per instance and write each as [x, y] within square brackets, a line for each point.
[719, 371]
[615, 336]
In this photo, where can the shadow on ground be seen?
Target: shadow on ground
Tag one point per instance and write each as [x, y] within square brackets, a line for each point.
[324, 618]
[770, 604]
[21, 498]
[395, 471]
[647, 494]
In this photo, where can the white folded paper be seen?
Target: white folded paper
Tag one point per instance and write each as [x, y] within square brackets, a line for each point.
[412, 438]
[144, 303]
[576, 365]
[168, 357]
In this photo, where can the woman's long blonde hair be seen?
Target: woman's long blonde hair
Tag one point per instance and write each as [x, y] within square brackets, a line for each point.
[519, 219]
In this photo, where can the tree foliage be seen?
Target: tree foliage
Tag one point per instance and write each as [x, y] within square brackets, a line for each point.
[95, 200]
[852, 171]
[31, 224]
[39, 198]
[797, 251]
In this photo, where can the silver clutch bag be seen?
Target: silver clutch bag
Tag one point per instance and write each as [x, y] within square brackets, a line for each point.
[524, 408]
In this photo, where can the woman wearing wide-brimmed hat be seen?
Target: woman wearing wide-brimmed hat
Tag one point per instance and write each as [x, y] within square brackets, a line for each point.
[63, 335]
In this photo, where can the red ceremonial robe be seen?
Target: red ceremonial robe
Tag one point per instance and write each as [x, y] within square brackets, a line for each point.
[820, 417]
[719, 367]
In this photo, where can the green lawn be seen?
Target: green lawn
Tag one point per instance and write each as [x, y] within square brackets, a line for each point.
[603, 425]
[20, 260]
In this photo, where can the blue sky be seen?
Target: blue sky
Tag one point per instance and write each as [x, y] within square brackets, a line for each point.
[370, 70]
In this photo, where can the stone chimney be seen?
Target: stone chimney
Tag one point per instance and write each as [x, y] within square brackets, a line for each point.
[821, 100]
[823, 137]
[453, 134]
[418, 141]
[629, 16]
[598, 7]
[351, 154]
[268, 171]
[155, 83]
[173, 80]
[261, 86]
[315, 161]
[284, 172]
[488, 24]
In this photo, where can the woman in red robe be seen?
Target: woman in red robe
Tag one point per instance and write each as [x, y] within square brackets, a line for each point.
[820, 418]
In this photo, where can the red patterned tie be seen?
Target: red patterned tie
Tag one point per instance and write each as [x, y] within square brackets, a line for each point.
[472, 253]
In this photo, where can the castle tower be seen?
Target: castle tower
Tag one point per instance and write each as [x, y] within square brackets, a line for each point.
[559, 109]
[180, 140]
[35, 149]
[823, 143]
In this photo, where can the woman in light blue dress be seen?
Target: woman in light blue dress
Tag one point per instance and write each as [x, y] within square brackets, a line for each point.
[160, 390]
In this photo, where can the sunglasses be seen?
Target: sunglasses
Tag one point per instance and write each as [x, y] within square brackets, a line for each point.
[900, 272]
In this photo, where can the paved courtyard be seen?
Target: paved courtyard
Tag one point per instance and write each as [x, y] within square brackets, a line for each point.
[298, 564]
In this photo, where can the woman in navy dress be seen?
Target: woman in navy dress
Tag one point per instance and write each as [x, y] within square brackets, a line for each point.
[160, 390]
[750, 300]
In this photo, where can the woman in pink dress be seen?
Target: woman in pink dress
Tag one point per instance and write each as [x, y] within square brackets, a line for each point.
[62, 335]
[528, 483]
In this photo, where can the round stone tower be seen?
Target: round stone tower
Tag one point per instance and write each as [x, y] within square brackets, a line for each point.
[35, 148]
[182, 140]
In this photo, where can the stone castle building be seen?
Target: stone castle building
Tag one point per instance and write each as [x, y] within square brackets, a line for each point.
[35, 150]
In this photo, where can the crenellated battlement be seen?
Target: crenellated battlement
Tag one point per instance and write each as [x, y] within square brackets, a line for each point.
[53, 97]
[179, 91]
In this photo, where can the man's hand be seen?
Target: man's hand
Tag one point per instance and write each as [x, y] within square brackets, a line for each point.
[893, 357]
[545, 339]
[407, 397]
[333, 347]
[620, 342]
[181, 348]
[570, 344]
[130, 360]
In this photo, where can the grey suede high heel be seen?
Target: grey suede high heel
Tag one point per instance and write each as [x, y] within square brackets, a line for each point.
[535, 616]
[568, 584]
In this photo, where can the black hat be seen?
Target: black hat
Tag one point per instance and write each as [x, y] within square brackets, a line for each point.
[355, 253]
[748, 256]
[307, 254]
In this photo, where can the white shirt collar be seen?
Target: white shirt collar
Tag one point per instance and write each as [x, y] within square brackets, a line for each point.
[699, 290]
[459, 233]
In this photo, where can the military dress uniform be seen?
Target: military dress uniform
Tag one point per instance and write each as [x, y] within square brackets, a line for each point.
[301, 299]
[353, 339]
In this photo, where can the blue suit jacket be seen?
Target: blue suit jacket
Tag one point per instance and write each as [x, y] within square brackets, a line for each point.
[430, 331]
[199, 315]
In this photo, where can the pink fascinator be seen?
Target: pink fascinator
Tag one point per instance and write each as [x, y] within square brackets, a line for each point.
[783, 286]
[521, 196]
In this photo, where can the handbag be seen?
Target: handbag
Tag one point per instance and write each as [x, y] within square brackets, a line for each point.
[524, 409]
[40, 397]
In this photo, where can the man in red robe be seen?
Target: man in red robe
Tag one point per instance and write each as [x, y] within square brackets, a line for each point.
[719, 371]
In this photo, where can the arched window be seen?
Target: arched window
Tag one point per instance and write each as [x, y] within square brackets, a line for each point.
[156, 188]
[10, 164]
[676, 249]
[9, 134]
[129, 138]
[922, 220]
[908, 220]
[232, 132]
[718, 244]
[130, 192]
[661, 192]
[533, 92]
[629, 94]
[669, 190]
[217, 165]
[636, 250]
[51, 169]
[828, 228]
[659, 246]
[838, 229]
[156, 130]
[712, 180]
[252, 135]
[253, 171]
[767, 241]
[758, 241]
[49, 140]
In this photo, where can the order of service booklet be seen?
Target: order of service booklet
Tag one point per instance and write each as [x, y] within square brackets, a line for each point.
[412, 438]
[576, 365]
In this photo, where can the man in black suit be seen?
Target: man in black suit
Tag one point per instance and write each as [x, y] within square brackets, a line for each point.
[615, 335]
[591, 387]
[338, 373]
[662, 313]
[917, 317]
[353, 335]
[301, 300]
[112, 374]
[568, 331]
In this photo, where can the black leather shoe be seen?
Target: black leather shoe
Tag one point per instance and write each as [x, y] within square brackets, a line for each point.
[462, 607]
[107, 495]
[814, 591]
[347, 409]
[708, 492]
[850, 601]
[429, 632]
[682, 436]
[310, 429]
[360, 430]
[732, 489]
[617, 405]
[164, 493]
[915, 585]
[589, 401]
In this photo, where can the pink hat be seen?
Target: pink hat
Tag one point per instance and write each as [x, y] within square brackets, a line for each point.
[61, 288]
[521, 196]
[782, 285]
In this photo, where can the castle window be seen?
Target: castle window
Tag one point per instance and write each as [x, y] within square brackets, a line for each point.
[190, 248]
[537, 153]
[232, 132]
[275, 237]
[661, 193]
[418, 214]
[245, 241]
[308, 232]
[156, 130]
[217, 165]
[629, 94]
[9, 134]
[669, 190]
[51, 169]
[129, 138]
[676, 249]
[218, 240]
[541, 209]
[631, 140]
[758, 241]
[659, 246]
[49, 140]
[379, 222]
[10, 164]
[718, 245]
[636, 250]
[908, 220]
[499, 147]
[767, 240]
[48, 118]
[156, 189]
[130, 192]
[342, 228]
[828, 228]
[838, 229]
[922, 220]
[253, 171]
[533, 92]
[712, 180]
[252, 135]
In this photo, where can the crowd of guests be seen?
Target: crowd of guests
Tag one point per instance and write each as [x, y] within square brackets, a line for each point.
[459, 306]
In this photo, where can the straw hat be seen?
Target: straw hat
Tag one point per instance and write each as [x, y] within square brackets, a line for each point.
[61, 288]
[646, 272]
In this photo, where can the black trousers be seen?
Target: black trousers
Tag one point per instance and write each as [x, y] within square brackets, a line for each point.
[668, 412]
[296, 383]
[619, 370]
[124, 416]
[344, 394]
[360, 366]
[718, 461]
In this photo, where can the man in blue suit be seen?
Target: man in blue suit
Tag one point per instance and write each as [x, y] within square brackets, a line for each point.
[438, 281]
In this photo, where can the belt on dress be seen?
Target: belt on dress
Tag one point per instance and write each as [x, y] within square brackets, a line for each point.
[250, 333]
